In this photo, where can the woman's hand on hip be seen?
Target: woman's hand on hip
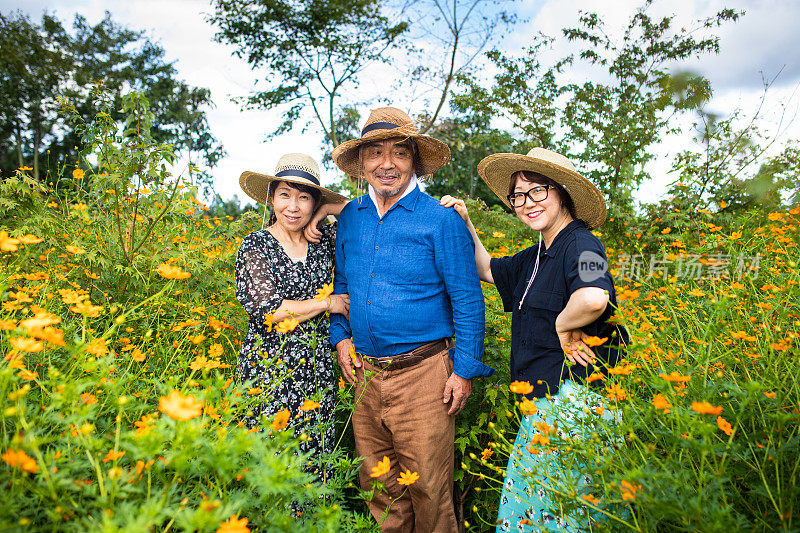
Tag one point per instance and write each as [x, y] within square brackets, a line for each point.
[575, 349]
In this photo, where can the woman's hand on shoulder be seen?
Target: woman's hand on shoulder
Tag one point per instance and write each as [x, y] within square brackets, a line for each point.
[457, 204]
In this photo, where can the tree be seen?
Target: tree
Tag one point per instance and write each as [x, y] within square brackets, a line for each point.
[605, 127]
[40, 62]
[445, 39]
[312, 51]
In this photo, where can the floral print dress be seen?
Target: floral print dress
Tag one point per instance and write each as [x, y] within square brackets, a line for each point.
[295, 366]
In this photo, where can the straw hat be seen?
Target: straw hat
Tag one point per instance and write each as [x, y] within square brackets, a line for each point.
[496, 170]
[386, 123]
[294, 168]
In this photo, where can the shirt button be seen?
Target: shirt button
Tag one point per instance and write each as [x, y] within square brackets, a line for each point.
[520, 373]
[373, 274]
[523, 343]
[380, 222]
[369, 302]
[376, 247]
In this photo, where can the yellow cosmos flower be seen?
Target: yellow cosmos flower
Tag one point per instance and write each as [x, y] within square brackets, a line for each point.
[171, 272]
[75, 250]
[179, 407]
[285, 326]
[8, 243]
[408, 478]
[324, 291]
[381, 468]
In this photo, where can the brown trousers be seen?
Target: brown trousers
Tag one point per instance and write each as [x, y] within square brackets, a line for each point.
[400, 414]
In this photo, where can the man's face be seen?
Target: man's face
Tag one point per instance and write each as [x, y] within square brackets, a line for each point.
[388, 166]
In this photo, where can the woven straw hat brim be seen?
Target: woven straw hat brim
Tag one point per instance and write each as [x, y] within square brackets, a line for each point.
[496, 170]
[257, 185]
[433, 153]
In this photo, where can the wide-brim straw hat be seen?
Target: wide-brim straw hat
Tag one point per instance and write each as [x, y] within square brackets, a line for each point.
[387, 123]
[294, 168]
[496, 170]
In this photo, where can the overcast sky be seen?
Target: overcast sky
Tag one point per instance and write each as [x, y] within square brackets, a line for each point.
[762, 44]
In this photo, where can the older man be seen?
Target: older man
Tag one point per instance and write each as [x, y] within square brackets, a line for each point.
[408, 265]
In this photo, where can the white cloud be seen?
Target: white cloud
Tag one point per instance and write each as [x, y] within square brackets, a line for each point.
[764, 39]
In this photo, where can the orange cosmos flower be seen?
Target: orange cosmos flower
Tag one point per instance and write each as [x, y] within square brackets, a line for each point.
[138, 355]
[27, 375]
[615, 393]
[285, 326]
[382, 467]
[280, 421]
[408, 478]
[486, 453]
[724, 426]
[660, 402]
[324, 291]
[215, 350]
[234, 525]
[540, 439]
[309, 405]
[521, 387]
[78, 174]
[628, 490]
[592, 341]
[268, 322]
[769, 395]
[591, 499]
[179, 407]
[674, 377]
[8, 325]
[85, 307]
[594, 377]
[171, 272]
[527, 407]
[705, 408]
[20, 459]
[112, 456]
[97, 347]
[88, 398]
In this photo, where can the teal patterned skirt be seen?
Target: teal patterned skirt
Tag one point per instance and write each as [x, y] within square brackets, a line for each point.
[528, 501]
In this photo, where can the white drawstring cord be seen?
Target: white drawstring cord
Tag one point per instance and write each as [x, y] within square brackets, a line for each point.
[535, 270]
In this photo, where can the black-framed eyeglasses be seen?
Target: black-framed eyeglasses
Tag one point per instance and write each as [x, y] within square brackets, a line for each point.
[536, 194]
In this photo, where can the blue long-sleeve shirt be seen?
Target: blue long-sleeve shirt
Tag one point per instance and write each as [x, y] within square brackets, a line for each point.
[411, 278]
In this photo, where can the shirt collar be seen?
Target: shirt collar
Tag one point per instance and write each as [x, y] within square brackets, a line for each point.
[409, 204]
[568, 229]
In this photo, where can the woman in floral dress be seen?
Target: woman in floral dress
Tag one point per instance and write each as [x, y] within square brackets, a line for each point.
[283, 282]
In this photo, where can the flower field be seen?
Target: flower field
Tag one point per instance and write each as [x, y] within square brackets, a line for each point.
[120, 329]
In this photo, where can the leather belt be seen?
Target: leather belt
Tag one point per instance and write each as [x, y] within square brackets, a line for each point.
[415, 356]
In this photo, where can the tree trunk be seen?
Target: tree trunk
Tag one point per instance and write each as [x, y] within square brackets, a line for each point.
[21, 161]
[37, 140]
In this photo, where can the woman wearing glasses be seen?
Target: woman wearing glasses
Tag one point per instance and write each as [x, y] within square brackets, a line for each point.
[561, 297]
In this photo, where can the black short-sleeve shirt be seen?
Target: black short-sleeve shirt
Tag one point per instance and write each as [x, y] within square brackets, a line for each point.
[575, 259]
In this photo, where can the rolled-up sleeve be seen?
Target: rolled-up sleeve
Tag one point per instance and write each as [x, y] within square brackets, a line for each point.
[340, 326]
[455, 260]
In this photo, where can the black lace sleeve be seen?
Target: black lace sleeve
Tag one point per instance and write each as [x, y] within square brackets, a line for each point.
[256, 287]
